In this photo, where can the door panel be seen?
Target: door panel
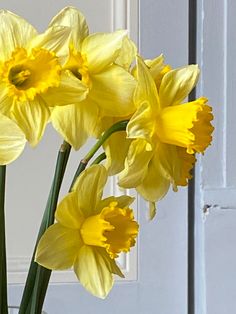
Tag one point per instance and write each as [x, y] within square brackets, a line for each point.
[217, 170]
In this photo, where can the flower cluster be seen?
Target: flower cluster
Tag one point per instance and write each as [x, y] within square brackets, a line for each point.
[84, 84]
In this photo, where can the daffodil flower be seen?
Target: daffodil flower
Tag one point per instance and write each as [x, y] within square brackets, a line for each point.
[165, 132]
[94, 63]
[12, 140]
[89, 233]
[30, 74]
[117, 145]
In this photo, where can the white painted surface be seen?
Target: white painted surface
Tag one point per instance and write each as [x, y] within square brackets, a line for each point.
[160, 270]
[217, 172]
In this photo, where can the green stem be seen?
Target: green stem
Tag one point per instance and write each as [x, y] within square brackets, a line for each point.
[119, 126]
[99, 158]
[29, 303]
[3, 264]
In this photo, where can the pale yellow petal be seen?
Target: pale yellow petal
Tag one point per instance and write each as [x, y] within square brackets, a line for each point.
[71, 90]
[176, 164]
[12, 140]
[127, 53]
[73, 18]
[142, 123]
[158, 69]
[155, 185]
[116, 149]
[6, 101]
[58, 247]
[93, 271]
[32, 117]
[89, 188]
[122, 201]
[14, 32]
[146, 89]
[155, 65]
[68, 212]
[136, 164]
[169, 160]
[111, 264]
[55, 39]
[152, 210]
[102, 49]
[75, 123]
[113, 91]
[177, 84]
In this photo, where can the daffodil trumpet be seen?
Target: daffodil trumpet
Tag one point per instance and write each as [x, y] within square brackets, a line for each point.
[3, 266]
[31, 290]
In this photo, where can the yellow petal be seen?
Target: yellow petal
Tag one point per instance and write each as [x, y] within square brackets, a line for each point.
[142, 123]
[158, 69]
[12, 140]
[73, 18]
[68, 212]
[93, 271]
[136, 164]
[111, 264]
[176, 163]
[113, 91]
[116, 149]
[155, 65]
[55, 39]
[6, 102]
[32, 117]
[152, 210]
[14, 32]
[58, 247]
[75, 123]
[187, 162]
[70, 91]
[146, 89]
[177, 84]
[155, 185]
[90, 183]
[127, 53]
[122, 201]
[102, 49]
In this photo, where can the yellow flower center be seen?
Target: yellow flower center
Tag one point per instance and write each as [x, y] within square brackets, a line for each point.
[114, 229]
[29, 74]
[77, 64]
[187, 125]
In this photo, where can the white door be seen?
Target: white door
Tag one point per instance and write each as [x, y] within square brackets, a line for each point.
[157, 270]
[217, 172]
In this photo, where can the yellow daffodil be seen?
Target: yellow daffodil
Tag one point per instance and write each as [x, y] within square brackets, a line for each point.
[117, 145]
[30, 74]
[94, 63]
[89, 233]
[12, 140]
[165, 132]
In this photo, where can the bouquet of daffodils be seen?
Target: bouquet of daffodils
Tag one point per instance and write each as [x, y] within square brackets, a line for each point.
[93, 85]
